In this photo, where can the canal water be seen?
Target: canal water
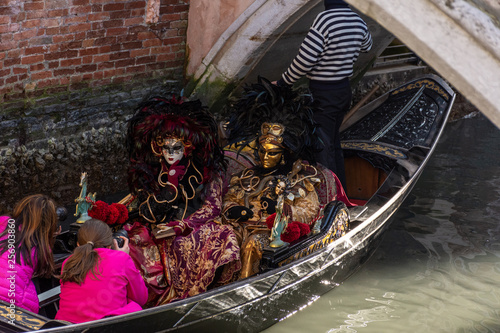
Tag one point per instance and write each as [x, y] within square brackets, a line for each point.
[438, 267]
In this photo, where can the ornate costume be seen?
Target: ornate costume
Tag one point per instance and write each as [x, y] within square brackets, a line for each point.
[175, 174]
[250, 188]
[284, 150]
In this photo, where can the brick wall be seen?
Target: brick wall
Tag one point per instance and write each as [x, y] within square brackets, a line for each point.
[49, 46]
[59, 47]
[68, 66]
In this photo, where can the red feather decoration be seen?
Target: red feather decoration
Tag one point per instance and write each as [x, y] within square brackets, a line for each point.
[99, 210]
[123, 213]
[304, 228]
[291, 233]
[113, 216]
[270, 220]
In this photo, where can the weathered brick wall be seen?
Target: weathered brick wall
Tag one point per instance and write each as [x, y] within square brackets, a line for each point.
[68, 66]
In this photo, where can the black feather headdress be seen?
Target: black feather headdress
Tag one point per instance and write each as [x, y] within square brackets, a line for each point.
[161, 117]
[265, 102]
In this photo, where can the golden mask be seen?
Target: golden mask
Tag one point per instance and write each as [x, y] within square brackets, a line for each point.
[272, 128]
[270, 155]
[271, 133]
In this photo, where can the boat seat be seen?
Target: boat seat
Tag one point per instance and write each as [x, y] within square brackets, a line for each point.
[50, 296]
[327, 190]
[55, 323]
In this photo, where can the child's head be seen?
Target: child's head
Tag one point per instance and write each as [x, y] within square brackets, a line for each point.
[92, 234]
[95, 233]
[36, 211]
[36, 222]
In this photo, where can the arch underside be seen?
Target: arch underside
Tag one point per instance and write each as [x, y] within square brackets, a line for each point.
[460, 40]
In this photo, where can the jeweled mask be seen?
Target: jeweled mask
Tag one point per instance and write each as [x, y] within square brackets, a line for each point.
[171, 148]
[271, 148]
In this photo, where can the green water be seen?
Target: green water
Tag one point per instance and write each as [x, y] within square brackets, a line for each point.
[438, 267]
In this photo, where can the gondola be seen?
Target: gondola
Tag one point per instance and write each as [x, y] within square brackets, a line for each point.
[386, 144]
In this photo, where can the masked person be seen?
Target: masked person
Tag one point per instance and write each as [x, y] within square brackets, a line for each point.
[175, 175]
[280, 192]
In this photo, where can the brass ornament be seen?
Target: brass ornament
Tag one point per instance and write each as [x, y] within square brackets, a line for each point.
[274, 129]
[308, 185]
[271, 133]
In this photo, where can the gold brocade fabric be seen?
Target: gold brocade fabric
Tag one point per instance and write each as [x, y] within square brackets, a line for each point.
[253, 235]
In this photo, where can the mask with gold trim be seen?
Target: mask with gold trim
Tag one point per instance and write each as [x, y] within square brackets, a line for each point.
[277, 116]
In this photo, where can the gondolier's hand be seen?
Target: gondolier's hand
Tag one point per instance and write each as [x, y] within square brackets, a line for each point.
[239, 213]
[180, 228]
[281, 83]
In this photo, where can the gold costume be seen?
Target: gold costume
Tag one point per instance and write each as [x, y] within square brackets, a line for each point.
[250, 189]
[274, 125]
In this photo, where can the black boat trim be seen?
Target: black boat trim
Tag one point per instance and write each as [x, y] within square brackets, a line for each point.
[400, 115]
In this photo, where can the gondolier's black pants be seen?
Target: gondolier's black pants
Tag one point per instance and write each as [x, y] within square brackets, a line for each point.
[334, 100]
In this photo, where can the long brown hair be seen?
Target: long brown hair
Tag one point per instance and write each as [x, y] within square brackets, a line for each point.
[35, 224]
[93, 234]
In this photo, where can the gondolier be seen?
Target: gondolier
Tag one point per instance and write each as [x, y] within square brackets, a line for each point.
[326, 57]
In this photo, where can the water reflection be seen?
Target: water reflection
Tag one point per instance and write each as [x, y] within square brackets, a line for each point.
[438, 268]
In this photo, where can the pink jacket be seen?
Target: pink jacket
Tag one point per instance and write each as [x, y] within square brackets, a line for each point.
[118, 289]
[16, 286]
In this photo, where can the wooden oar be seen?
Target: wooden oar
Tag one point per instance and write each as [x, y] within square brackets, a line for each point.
[360, 103]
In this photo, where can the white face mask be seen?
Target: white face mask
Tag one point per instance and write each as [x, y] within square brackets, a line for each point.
[173, 151]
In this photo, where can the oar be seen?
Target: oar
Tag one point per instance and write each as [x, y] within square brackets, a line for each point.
[360, 103]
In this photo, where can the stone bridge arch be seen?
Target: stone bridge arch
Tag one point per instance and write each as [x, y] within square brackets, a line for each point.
[458, 38]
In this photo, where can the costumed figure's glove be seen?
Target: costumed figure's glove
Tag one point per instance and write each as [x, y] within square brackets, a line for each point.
[268, 205]
[180, 228]
[161, 207]
[239, 213]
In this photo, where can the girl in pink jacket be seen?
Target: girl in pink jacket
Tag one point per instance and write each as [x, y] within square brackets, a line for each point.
[26, 242]
[98, 282]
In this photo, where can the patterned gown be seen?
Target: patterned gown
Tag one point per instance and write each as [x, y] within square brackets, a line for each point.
[176, 267]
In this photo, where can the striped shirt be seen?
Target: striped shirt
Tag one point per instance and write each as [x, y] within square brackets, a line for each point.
[331, 47]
